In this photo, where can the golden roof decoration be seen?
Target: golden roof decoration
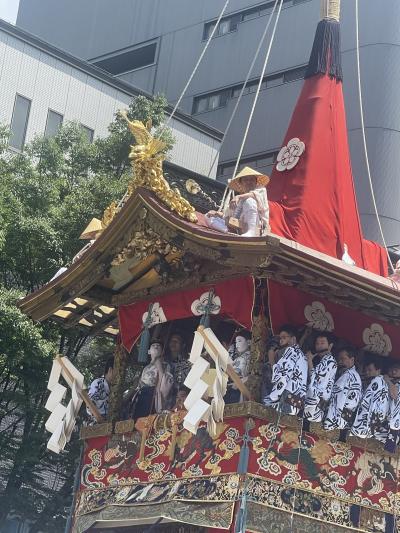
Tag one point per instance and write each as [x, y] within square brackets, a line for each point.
[147, 157]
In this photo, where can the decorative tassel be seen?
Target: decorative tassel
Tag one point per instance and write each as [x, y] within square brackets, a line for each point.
[205, 319]
[240, 525]
[325, 55]
[243, 459]
[174, 429]
[145, 338]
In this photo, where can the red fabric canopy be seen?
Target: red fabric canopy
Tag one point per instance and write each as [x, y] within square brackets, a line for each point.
[314, 203]
[233, 299]
[293, 306]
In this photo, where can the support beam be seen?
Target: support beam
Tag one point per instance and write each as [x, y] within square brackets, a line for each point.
[117, 388]
[258, 340]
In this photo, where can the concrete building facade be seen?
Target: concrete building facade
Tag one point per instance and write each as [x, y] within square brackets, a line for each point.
[41, 87]
[155, 45]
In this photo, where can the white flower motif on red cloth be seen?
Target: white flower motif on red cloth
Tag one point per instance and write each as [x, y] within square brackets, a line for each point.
[289, 155]
[376, 340]
[199, 306]
[318, 317]
[157, 315]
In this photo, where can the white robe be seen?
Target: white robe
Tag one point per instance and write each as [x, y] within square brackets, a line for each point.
[289, 375]
[373, 411]
[346, 395]
[394, 411]
[320, 388]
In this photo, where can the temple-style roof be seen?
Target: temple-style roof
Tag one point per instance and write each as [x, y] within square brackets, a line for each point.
[147, 250]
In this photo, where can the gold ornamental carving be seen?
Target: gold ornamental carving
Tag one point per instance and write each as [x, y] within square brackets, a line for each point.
[147, 157]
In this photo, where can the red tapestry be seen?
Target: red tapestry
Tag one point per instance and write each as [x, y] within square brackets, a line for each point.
[290, 305]
[232, 299]
[329, 477]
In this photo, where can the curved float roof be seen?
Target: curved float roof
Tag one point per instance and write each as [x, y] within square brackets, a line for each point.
[147, 250]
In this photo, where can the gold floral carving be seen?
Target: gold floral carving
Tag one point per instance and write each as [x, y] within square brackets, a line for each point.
[124, 426]
[98, 430]
[147, 157]
[144, 242]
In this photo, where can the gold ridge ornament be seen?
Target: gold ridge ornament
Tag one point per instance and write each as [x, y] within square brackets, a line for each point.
[147, 157]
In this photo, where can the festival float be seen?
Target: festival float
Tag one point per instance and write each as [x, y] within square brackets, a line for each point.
[154, 260]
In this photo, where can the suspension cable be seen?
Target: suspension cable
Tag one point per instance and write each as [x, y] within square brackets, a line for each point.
[196, 67]
[126, 195]
[360, 98]
[226, 195]
[239, 98]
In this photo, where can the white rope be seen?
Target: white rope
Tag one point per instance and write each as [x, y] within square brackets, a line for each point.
[258, 91]
[126, 195]
[239, 98]
[195, 68]
[364, 136]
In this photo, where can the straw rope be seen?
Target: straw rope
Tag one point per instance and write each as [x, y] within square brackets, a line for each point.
[330, 9]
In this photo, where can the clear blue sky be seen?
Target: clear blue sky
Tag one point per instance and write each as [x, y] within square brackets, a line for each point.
[9, 10]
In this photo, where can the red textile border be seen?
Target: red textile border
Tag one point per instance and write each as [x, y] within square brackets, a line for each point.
[236, 301]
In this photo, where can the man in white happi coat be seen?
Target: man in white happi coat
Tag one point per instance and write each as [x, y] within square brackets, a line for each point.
[289, 375]
[346, 393]
[372, 414]
[322, 378]
[394, 408]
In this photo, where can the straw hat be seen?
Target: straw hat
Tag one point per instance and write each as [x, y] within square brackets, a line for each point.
[92, 229]
[236, 185]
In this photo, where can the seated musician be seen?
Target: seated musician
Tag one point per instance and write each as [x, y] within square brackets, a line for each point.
[154, 392]
[346, 393]
[289, 375]
[322, 378]
[371, 418]
[249, 208]
[241, 362]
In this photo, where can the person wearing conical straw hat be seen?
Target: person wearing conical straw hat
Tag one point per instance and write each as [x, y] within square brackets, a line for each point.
[250, 205]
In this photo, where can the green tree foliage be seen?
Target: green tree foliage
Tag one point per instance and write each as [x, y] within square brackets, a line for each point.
[48, 194]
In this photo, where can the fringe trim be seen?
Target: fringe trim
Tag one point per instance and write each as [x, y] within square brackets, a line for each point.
[325, 55]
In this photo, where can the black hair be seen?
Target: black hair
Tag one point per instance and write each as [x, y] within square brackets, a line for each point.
[325, 335]
[288, 328]
[157, 341]
[245, 333]
[394, 364]
[109, 364]
[351, 352]
[376, 361]
[183, 388]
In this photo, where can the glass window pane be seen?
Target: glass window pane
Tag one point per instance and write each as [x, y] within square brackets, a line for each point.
[224, 27]
[214, 101]
[53, 123]
[19, 122]
[201, 105]
[89, 132]
[208, 30]
[127, 61]
[236, 92]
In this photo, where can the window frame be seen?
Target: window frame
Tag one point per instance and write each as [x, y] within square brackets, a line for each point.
[95, 61]
[47, 122]
[25, 129]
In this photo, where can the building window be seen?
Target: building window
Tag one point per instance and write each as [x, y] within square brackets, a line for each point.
[211, 101]
[128, 60]
[53, 123]
[261, 162]
[231, 23]
[217, 99]
[88, 132]
[19, 121]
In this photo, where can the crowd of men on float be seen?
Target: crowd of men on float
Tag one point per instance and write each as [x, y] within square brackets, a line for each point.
[316, 386]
